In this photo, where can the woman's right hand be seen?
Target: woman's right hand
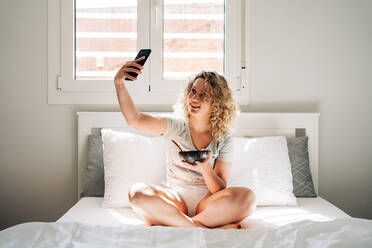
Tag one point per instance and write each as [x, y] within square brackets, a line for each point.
[122, 74]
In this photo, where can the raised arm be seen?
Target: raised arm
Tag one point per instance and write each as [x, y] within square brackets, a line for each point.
[144, 122]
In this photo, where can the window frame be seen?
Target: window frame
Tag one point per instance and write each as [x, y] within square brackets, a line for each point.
[64, 89]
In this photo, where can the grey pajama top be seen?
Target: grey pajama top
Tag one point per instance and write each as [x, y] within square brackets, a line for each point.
[179, 131]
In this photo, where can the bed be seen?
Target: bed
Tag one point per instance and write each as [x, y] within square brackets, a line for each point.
[89, 210]
[314, 222]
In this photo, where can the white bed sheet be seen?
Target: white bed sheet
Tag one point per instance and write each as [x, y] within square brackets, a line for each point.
[89, 210]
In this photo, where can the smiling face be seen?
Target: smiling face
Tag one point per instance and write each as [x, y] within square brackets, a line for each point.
[208, 96]
[198, 99]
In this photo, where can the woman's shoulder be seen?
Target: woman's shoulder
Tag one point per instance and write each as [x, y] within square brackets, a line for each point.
[175, 121]
[175, 126]
[227, 139]
[226, 149]
[225, 143]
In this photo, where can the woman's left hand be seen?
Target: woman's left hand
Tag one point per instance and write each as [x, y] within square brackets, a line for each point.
[200, 165]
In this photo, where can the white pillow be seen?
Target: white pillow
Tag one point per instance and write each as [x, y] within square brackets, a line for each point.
[130, 158]
[263, 165]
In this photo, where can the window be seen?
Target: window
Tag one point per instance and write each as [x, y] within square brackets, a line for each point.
[193, 38]
[89, 40]
[105, 36]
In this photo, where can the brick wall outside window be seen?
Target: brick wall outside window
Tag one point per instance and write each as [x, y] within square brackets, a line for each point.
[193, 39]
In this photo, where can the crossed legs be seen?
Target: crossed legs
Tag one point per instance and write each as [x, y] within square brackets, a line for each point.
[157, 206]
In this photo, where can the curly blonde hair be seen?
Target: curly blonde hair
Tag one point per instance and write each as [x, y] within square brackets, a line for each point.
[223, 106]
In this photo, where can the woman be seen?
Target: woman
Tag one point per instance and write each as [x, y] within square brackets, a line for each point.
[195, 195]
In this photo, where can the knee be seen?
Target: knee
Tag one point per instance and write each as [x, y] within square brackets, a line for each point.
[140, 193]
[243, 198]
[249, 201]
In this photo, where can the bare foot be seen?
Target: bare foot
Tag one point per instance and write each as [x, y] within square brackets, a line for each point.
[229, 226]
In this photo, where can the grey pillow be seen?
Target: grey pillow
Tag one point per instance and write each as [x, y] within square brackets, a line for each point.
[299, 158]
[94, 184]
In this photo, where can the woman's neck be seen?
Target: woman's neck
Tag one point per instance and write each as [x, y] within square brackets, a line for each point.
[199, 124]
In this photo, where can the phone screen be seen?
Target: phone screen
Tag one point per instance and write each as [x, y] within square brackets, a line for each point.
[141, 53]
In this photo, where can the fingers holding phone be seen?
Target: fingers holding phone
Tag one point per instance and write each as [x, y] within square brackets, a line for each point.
[142, 53]
[130, 70]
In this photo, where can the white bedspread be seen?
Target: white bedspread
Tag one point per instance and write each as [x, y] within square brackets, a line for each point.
[345, 232]
[89, 210]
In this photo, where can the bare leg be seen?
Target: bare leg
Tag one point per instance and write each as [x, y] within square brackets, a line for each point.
[160, 207]
[230, 205]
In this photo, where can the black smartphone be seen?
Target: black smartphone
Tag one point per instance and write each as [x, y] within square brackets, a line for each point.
[141, 53]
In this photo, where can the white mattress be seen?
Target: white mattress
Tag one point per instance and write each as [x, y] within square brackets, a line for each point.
[89, 210]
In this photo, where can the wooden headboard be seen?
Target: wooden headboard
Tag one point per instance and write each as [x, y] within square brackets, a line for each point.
[247, 124]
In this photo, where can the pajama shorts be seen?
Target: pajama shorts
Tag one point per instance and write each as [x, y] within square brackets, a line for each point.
[191, 194]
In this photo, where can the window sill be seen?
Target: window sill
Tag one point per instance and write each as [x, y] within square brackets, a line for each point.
[108, 98]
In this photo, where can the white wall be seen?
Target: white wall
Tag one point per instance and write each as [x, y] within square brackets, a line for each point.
[316, 56]
[306, 56]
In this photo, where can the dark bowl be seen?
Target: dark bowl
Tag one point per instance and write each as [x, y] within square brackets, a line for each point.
[192, 156]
